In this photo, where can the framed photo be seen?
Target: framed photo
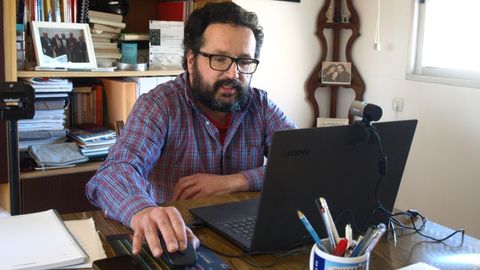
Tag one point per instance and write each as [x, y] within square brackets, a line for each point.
[63, 45]
[336, 72]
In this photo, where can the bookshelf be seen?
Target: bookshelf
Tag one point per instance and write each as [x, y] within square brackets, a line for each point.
[62, 189]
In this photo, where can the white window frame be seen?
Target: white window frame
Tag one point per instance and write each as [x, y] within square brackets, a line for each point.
[416, 72]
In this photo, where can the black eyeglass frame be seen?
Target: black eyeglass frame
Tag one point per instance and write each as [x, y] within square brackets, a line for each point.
[232, 59]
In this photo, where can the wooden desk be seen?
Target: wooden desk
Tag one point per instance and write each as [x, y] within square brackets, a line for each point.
[411, 248]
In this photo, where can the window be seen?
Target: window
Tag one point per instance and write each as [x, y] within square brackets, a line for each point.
[445, 42]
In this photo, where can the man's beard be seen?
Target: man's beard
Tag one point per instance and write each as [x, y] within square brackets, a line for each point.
[207, 94]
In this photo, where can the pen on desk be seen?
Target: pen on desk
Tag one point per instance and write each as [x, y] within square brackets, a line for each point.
[324, 204]
[376, 235]
[326, 222]
[310, 230]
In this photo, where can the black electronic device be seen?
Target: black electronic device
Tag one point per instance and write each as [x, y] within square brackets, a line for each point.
[185, 258]
[305, 164]
[125, 262]
[16, 101]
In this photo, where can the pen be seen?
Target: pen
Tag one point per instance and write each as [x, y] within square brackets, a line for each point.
[361, 244]
[332, 224]
[348, 235]
[341, 247]
[310, 230]
[326, 222]
[376, 235]
[353, 246]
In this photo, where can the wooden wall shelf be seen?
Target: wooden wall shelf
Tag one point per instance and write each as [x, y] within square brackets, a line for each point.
[335, 45]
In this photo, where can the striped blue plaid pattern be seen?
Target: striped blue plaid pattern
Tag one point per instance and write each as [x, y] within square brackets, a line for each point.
[167, 137]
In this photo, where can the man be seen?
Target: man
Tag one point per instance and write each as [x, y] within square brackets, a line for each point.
[58, 46]
[47, 46]
[205, 133]
[72, 45]
[343, 75]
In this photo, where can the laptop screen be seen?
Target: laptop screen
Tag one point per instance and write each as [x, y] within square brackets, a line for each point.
[338, 163]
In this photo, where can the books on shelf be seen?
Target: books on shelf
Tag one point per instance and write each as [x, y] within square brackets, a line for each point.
[120, 97]
[94, 14]
[50, 84]
[120, 25]
[104, 35]
[94, 140]
[38, 241]
[100, 28]
[87, 105]
[92, 134]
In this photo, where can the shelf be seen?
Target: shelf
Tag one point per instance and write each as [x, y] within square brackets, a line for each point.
[78, 74]
[84, 167]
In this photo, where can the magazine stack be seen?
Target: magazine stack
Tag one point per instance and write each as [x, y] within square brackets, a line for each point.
[94, 142]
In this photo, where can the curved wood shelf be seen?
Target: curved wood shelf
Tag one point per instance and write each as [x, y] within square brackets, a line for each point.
[79, 74]
[314, 81]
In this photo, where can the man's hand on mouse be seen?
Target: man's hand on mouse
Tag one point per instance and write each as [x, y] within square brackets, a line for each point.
[148, 223]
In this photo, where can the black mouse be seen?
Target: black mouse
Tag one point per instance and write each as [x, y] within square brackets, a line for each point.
[185, 258]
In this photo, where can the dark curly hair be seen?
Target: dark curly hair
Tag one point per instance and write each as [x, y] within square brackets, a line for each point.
[224, 12]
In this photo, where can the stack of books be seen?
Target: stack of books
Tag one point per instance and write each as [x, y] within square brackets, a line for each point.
[48, 124]
[105, 28]
[94, 141]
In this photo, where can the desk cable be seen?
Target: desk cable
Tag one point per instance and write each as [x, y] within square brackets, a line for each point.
[411, 214]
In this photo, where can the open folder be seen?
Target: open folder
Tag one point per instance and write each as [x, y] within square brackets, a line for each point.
[37, 241]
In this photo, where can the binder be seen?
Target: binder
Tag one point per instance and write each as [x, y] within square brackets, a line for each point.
[38, 241]
[120, 97]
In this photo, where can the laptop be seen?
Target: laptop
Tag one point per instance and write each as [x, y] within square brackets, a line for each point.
[339, 163]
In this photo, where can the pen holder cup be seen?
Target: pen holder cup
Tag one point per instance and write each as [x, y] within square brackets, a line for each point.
[320, 260]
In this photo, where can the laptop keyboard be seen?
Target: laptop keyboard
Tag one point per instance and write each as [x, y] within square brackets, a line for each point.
[242, 227]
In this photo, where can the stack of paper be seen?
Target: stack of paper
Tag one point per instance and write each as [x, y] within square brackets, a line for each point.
[84, 231]
[37, 241]
[48, 123]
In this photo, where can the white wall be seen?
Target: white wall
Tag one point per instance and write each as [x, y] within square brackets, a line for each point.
[442, 177]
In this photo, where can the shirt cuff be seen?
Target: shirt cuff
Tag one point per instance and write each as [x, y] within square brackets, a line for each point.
[128, 208]
[255, 178]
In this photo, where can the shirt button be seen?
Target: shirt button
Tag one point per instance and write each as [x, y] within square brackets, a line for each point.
[207, 123]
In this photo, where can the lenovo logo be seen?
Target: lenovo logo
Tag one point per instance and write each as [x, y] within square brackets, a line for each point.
[296, 152]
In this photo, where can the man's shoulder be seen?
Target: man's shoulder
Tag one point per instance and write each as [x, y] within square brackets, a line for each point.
[168, 92]
[258, 94]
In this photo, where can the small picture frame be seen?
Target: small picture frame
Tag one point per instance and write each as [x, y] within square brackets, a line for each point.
[336, 72]
[63, 45]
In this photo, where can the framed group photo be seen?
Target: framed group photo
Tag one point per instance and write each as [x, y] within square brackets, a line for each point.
[63, 45]
[336, 72]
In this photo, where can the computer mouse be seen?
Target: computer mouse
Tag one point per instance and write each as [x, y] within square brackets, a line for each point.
[185, 258]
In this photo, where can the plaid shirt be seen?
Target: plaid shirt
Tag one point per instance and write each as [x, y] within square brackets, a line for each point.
[167, 137]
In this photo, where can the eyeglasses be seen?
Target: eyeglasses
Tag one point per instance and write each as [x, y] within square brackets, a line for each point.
[220, 62]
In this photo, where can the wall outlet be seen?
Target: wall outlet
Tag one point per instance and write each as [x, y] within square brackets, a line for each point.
[397, 104]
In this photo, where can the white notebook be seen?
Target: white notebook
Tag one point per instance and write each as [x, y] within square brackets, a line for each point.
[37, 241]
